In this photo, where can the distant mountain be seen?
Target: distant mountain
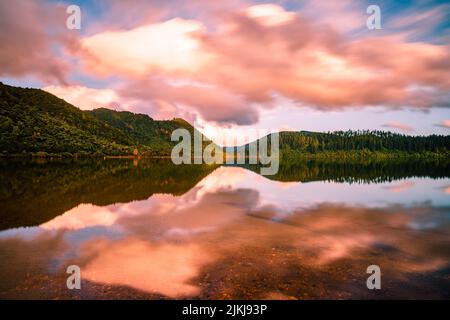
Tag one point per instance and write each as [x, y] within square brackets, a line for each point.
[35, 121]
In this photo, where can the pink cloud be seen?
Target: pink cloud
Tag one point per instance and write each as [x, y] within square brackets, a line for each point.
[126, 15]
[321, 68]
[164, 47]
[399, 126]
[127, 263]
[444, 124]
[225, 62]
[251, 55]
[26, 43]
[400, 187]
[343, 15]
[210, 102]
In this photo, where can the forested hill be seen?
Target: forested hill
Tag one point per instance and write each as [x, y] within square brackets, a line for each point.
[362, 140]
[146, 133]
[359, 144]
[35, 121]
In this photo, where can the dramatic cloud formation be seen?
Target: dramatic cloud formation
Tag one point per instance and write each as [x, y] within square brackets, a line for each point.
[210, 101]
[225, 63]
[253, 55]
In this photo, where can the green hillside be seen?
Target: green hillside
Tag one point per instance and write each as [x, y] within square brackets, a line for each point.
[33, 121]
[357, 146]
[143, 130]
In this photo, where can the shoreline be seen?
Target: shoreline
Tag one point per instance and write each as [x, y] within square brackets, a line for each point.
[339, 156]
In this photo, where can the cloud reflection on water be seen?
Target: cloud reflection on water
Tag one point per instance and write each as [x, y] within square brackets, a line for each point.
[233, 221]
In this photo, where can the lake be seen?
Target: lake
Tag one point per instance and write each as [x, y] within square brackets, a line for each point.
[141, 229]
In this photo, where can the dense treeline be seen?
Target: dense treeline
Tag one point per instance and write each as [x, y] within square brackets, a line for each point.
[359, 171]
[362, 140]
[356, 146]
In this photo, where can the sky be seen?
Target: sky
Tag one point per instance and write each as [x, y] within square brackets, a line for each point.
[239, 64]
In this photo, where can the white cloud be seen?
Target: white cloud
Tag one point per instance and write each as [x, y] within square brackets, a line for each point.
[270, 14]
[85, 98]
[167, 46]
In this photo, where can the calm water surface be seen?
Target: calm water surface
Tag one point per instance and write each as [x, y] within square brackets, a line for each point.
[151, 230]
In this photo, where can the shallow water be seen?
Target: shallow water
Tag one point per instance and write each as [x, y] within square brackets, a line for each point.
[154, 230]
